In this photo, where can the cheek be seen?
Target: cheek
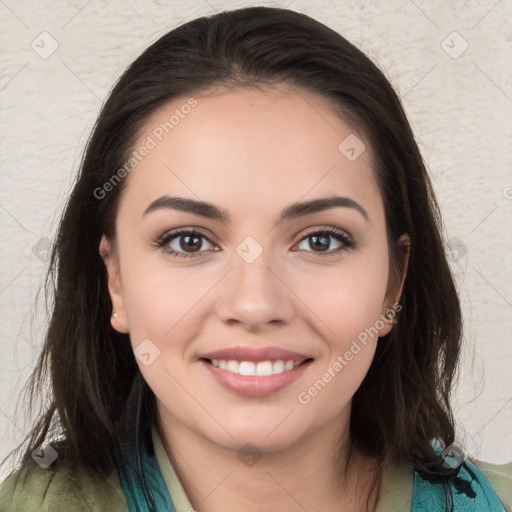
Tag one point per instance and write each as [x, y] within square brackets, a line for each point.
[347, 299]
[160, 298]
[163, 306]
[349, 305]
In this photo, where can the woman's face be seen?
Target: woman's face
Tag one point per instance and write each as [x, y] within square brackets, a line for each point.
[257, 284]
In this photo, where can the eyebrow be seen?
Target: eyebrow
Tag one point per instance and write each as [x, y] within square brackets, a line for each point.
[293, 211]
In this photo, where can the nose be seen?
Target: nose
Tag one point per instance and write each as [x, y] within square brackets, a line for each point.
[255, 295]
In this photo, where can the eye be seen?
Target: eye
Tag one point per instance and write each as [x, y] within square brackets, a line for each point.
[184, 243]
[321, 239]
[187, 243]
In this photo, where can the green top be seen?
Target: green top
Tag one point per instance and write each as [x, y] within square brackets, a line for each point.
[36, 489]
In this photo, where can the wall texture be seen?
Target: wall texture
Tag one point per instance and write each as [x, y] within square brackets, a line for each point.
[451, 64]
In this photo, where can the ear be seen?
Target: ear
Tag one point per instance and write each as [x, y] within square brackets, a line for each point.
[391, 303]
[110, 258]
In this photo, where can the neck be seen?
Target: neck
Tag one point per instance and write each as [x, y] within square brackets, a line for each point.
[308, 475]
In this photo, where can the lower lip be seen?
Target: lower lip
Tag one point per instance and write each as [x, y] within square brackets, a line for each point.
[249, 385]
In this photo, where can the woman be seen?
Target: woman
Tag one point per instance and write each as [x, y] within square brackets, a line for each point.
[253, 307]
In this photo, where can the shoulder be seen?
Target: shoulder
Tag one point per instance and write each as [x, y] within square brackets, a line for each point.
[34, 489]
[477, 486]
[500, 478]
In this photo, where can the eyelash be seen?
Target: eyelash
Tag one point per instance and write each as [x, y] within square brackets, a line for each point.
[340, 236]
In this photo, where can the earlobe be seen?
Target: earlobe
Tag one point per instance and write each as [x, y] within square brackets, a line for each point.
[118, 319]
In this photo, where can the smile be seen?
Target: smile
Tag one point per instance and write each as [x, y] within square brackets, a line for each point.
[256, 379]
[250, 368]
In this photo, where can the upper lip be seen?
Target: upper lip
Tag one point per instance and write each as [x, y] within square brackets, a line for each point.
[241, 353]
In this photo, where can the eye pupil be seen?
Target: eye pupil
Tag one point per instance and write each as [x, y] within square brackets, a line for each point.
[189, 242]
[324, 244]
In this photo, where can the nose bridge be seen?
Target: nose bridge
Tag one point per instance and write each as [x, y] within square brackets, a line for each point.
[254, 293]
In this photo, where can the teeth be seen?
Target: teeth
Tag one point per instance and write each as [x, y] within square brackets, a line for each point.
[278, 367]
[244, 368]
[232, 367]
[264, 368]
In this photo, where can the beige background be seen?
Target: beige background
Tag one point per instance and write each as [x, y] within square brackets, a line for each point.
[458, 99]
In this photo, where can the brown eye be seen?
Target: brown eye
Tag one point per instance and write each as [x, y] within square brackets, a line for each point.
[190, 243]
[320, 241]
[183, 244]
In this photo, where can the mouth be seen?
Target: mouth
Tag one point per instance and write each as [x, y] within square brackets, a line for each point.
[254, 368]
[255, 378]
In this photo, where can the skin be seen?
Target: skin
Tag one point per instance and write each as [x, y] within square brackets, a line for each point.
[252, 153]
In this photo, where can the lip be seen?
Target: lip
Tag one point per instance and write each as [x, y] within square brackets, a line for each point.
[255, 385]
[256, 355]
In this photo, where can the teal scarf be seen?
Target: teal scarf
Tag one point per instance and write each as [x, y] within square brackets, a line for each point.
[468, 491]
[136, 498]
[143, 484]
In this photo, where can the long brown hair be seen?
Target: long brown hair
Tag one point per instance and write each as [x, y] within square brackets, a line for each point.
[404, 400]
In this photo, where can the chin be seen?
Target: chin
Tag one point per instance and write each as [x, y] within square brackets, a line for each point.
[253, 443]
[262, 436]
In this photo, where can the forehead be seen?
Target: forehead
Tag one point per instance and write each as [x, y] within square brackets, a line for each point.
[240, 146]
